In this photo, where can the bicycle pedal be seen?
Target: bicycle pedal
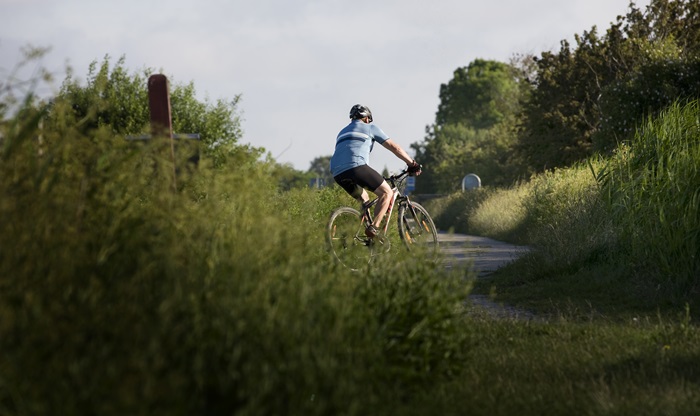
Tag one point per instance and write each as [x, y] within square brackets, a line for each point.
[383, 241]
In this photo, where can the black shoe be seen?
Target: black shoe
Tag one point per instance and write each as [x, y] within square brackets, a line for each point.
[371, 231]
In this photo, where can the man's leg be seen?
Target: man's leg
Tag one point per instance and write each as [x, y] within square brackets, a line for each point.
[353, 189]
[362, 196]
[384, 199]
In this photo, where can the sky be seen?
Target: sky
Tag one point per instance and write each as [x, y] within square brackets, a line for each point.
[300, 65]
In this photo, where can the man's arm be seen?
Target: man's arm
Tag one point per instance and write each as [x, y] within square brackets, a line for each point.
[399, 152]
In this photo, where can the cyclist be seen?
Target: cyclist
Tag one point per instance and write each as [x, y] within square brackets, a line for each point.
[349, 163]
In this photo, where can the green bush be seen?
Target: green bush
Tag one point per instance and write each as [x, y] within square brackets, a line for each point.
[120, 294]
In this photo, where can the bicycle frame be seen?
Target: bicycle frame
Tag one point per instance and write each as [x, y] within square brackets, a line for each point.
[394, 182]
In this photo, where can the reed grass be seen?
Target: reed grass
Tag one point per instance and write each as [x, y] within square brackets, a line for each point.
[125, 291]
[653, 188]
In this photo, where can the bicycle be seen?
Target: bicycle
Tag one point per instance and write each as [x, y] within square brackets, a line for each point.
[346, 229]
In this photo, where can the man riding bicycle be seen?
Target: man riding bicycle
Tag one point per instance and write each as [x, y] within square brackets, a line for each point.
[349, 163]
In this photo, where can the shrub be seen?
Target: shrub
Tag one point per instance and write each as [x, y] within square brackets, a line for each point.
[120, 294]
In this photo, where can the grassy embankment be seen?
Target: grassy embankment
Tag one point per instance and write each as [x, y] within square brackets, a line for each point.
[119, 295]
[616, 236]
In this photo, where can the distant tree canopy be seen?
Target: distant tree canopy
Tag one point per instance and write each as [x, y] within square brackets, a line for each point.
[590, 97]
[478, 96]
[507, 121]
[474, 126]
[117, 100]
[320, 167]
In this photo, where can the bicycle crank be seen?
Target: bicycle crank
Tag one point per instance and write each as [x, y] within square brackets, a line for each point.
[380, 243]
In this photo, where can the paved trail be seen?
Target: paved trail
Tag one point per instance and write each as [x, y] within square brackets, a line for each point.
[485, 256]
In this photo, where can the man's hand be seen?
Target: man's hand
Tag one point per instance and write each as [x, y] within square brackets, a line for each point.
[414, 169]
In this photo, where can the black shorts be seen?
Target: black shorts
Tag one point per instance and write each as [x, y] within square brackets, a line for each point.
[353, 180]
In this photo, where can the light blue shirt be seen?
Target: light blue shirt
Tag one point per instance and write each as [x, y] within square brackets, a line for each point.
[353, 145]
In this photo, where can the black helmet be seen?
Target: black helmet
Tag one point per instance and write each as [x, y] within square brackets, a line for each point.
[359, 111]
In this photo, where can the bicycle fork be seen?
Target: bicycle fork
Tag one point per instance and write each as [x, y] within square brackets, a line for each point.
[418, 228]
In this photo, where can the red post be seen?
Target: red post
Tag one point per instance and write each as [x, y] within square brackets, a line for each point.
[161, 119]
[159, 105]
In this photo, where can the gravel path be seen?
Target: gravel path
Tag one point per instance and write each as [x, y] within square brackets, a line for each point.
[485, 256]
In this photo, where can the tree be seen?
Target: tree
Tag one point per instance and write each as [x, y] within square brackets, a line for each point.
[474, 126]
[114, 99]
[320, 168]
[288, 178]
[480, 95]
[563, 111]
[666, 43]
[587, 98]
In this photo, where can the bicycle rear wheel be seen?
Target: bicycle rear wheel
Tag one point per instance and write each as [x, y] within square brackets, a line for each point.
[417, 229]
[347, 240]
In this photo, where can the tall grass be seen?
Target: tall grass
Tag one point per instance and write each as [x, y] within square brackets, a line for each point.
[653, 188]
[538, 212]
[502, 215]
[567, 220]
[625, 226]
[122, 295]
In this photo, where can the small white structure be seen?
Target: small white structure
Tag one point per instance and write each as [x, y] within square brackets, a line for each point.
[471, 181]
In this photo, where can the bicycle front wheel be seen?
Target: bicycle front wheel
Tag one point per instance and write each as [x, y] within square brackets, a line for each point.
[347, 240]
[417, 229]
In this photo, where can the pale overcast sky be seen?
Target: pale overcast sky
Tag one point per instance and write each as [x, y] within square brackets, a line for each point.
[301, 64]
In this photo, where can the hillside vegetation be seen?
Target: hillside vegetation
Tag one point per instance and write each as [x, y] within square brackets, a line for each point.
[612, 232]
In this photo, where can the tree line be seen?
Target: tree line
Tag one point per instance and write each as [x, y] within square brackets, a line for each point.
[507, 121]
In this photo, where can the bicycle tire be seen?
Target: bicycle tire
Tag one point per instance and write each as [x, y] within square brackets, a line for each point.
[346, 238]
[417, 229]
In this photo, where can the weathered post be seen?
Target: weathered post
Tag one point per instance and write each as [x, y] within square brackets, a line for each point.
[161, 117]
[161, 120]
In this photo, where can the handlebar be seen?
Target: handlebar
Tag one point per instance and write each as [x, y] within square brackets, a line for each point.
[395, 180]
[399, 177]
